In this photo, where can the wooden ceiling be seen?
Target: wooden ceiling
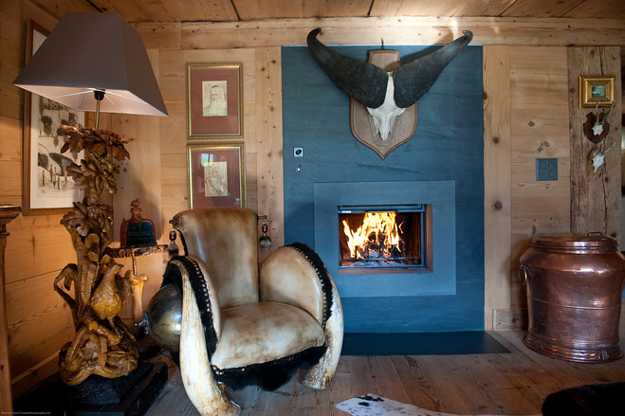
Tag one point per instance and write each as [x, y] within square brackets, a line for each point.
[244, 10]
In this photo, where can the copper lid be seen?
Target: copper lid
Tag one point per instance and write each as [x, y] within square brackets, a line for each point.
[591, 243]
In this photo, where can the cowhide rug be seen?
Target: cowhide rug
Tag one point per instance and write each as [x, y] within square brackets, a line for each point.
[374, 405]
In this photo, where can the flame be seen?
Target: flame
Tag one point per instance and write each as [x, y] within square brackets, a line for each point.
[378, 236]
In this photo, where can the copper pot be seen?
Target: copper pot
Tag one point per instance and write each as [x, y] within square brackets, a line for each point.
[574, 286]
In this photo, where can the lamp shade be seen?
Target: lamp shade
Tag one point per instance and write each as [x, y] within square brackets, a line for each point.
[94, 51]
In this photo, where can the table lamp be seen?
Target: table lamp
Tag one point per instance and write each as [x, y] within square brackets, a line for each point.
[94, 62]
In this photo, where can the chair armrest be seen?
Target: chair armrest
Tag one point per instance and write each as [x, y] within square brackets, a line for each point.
[198, 341]
[295, 274]
[203, 292]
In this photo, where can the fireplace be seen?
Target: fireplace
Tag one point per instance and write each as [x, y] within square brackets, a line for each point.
[384, 237]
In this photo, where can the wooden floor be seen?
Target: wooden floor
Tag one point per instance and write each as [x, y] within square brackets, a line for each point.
[513, 384]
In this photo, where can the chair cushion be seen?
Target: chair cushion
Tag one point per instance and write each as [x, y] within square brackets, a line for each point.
[257, 333]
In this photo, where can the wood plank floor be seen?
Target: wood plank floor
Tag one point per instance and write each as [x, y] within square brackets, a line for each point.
[513, 384]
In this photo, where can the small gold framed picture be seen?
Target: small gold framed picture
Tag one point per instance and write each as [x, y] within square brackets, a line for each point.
[596, 91]
[214, 101]
[216, 175]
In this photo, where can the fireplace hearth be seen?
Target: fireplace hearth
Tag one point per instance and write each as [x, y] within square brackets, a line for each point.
[383, 237]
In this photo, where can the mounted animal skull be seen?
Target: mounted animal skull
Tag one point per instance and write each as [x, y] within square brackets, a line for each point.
[386, 95]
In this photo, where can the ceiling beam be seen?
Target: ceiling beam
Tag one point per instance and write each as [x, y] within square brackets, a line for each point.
[395, 31]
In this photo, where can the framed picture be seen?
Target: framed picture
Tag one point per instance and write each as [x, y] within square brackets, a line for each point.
[47, 187]
[596, 91]
[214, 101]
[216, 175]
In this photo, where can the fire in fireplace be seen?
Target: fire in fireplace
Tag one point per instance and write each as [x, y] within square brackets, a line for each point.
[383, 236]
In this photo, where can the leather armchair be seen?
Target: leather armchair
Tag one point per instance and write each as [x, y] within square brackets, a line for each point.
[240, 319]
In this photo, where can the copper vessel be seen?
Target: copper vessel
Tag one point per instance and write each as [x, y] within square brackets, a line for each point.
[574, 286]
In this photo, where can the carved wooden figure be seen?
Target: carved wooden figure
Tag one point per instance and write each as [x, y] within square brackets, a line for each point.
[102, 345]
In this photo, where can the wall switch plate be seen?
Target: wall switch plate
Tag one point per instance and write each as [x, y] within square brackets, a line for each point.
[298, 152]
[547, 169]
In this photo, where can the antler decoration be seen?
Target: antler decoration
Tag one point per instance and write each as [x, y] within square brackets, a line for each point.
[103, 345]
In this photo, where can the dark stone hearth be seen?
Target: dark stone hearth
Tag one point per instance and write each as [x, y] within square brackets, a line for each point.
[421, 343]
[125, 396]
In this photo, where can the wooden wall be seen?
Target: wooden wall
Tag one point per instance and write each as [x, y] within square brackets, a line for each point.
[596, 196]
[526, 117]
[262, 138]
[38, 247]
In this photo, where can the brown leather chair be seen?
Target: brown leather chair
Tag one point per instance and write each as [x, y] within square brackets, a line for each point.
[239, 319]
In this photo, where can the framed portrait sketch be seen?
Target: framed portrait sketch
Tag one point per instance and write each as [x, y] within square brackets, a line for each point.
[47, 187]
[214, 101]
[216, 175]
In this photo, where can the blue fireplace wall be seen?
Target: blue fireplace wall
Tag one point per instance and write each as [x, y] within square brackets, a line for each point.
[447, 146]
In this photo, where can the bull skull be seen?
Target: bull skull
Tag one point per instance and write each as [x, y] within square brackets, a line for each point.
[385, 94]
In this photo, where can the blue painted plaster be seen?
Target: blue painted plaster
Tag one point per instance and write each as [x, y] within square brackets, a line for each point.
[447, 146]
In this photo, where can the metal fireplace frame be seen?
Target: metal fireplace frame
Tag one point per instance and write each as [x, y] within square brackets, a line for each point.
[425, 246]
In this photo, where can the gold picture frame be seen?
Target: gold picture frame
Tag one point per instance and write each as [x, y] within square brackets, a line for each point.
[216, 174]
[596, 91]
[214, 101]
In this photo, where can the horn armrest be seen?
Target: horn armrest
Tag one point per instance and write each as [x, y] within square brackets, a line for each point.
[204, 291]
[195, 346]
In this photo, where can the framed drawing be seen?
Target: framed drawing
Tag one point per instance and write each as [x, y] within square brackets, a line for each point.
[216, 175]
[214, 101]
[596, 91]
[47, 187]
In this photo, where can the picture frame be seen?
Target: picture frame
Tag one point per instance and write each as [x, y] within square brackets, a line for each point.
[596, 91]
[216, 175]
[214, 101]
[47, 188]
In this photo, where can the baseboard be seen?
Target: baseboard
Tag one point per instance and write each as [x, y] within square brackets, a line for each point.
[509, 319]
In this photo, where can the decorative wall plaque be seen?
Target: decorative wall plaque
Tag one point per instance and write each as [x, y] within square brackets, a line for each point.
[361, 123]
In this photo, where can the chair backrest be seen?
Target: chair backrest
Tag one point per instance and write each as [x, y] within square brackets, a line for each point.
[226, 240]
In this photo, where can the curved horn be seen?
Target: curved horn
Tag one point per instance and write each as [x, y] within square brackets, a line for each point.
[360, 80]
[415, 78]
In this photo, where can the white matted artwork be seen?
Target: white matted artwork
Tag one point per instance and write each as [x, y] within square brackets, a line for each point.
[215, 98]
[374, 405]
[49, 184]
[215, 177]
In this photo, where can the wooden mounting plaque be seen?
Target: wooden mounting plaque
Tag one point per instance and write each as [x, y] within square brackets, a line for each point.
[361, 123]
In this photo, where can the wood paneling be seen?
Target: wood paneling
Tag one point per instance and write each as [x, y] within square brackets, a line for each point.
[269, 140]
[497, 213]
[526, 117]
[394, 31]
[264, 9]
[595, 196]
[170, 10]
[439, 7]
[7, 214]
[141, 175]
[58, 8]
[598, 8]
[235, 10]
[542, 8]
[38, 246]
